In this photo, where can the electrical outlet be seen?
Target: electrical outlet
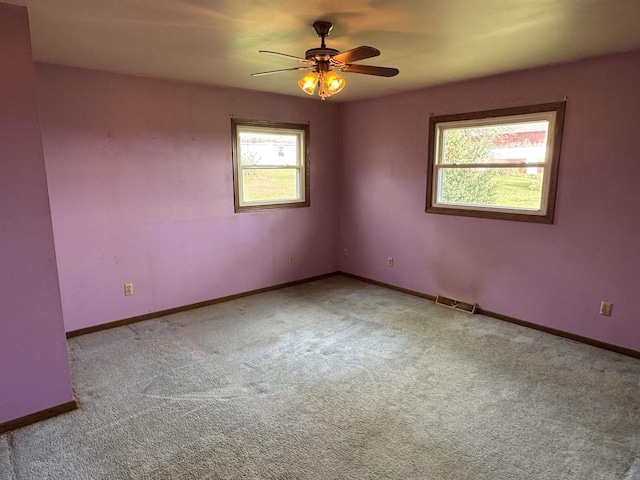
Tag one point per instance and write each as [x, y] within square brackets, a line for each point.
[390, 262]
[345, 252]
[605, 309]
[291, 260]
[128, 288]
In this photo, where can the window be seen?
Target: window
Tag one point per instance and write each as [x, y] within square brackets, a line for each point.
[496, 164]
[270, 165]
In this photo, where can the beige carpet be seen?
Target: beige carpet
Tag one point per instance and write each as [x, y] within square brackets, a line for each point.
[336, 379]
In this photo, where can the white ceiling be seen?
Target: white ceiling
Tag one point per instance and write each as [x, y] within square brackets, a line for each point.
[430, 41]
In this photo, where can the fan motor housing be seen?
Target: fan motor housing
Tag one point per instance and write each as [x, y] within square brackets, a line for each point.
[320, 54]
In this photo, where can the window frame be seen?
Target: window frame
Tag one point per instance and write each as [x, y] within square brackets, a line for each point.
[496, 117]
[303, 130]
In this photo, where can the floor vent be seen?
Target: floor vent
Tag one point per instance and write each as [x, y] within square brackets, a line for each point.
[456, 304]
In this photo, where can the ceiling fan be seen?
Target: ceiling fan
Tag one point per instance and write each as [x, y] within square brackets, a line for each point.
[324, 63]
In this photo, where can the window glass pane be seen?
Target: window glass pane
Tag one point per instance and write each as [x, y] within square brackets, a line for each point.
[268, 149]
[260, 185]
[492, 187]
[270, 165]
[524, 142]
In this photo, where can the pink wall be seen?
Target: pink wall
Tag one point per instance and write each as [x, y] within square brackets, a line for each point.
[141, 191]
[34, 370]
[552, 275]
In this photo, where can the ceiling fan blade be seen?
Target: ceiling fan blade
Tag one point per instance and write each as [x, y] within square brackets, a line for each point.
[371, 70]
[300, 59]
[355, 54]
[281, 70]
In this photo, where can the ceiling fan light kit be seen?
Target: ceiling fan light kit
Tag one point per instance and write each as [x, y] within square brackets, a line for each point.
[324, 64]
[330, 83]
